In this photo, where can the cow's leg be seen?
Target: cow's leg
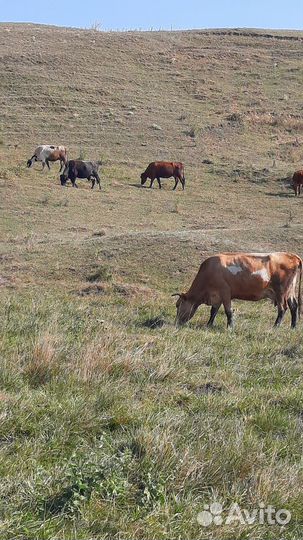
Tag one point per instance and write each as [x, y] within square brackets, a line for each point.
[213, 312]
[229, 316]
[61, 164]
[97, 177]
[43, 165]
[151, 182]
[158, 179]
[47, 163]
[93, 181]
[281, 312]
[227, 309]
[183, 183]
[176, 183]
[293, 306]
[73, 178]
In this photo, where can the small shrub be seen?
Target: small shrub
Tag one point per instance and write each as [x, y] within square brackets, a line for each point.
[155, 322]
[44, 200]
[192, 132]
[96, 26]
[234, 117]
[289, 219]
[102, 274]
[82, 154]
[41, 367]
[63, 203]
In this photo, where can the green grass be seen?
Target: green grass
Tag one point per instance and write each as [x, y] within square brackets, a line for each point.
[112, 428]
[113, 424]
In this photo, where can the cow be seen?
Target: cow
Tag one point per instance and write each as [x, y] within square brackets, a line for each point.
[297, 182]
[46, 153]
[164, 169]
[81, 169]
[244, 276]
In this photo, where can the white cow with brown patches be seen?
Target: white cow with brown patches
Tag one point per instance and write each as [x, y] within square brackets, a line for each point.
[244, 276]
[46, 153]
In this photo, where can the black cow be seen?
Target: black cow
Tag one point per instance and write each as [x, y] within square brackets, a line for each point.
[81, 169]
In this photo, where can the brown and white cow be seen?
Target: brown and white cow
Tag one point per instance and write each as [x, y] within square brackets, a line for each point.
[297, 182]
[164, 169]
[244, 276]
[46, 153]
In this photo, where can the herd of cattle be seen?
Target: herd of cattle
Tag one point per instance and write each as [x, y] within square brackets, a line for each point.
[76, 168]
[221, 278]
[73, 169]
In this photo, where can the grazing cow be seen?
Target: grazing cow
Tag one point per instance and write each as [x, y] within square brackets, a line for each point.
[81, 169]
[164, 169]
[47, 153]
[244, 276]
[297, 182]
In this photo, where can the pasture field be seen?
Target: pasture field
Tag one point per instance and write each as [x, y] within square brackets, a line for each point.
[114, 425]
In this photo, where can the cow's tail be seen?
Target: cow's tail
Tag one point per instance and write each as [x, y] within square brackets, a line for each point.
[299, 290]
[183, 178]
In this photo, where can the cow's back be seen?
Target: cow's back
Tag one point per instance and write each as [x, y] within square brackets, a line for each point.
[256, 263]
[45, 150]
[162, 169]
[60, 151]
[40, 150]
[247, 276]
[80, 169]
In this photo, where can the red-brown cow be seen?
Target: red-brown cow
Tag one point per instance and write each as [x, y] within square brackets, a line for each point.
[244, 276]
[164, 169]
[297, 181]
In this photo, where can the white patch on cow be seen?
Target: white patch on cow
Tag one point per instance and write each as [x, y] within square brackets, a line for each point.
[234, 268]
[44, 151]
[259, 254]
[262, 273]
[292, 288]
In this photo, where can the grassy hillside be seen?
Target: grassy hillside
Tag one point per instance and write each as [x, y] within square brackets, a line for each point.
[113, 423]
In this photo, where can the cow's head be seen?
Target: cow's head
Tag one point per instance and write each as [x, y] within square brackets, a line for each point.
[63, 179]
[143, 178]
[64, 174]
[186, 308]
[31, 161]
